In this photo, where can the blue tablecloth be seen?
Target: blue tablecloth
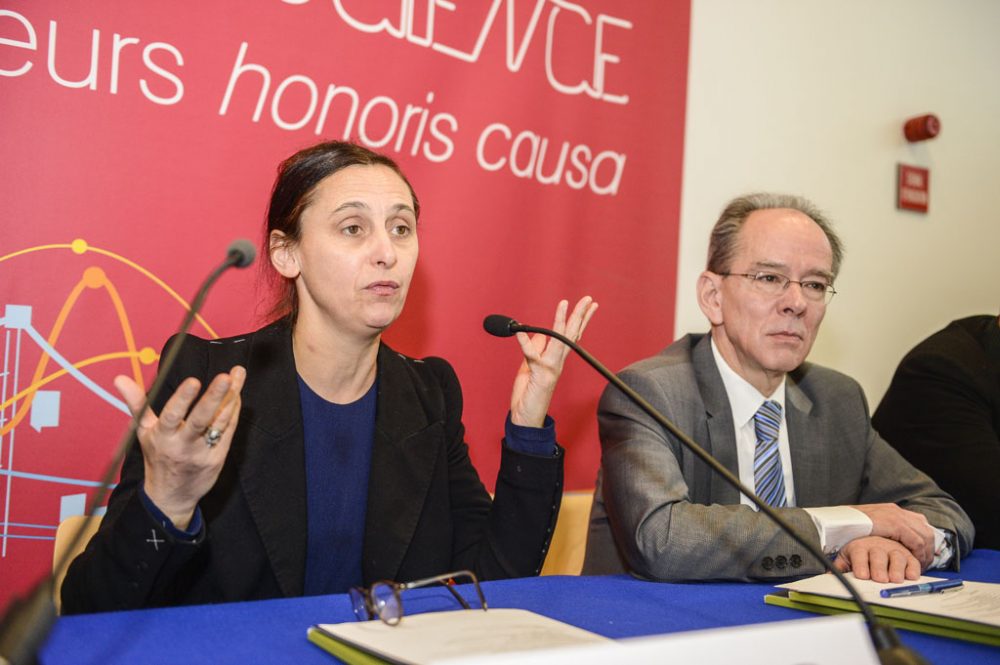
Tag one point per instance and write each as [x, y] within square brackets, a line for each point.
[274, 631]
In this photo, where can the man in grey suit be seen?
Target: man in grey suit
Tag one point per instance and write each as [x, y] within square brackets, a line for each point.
[798, 434]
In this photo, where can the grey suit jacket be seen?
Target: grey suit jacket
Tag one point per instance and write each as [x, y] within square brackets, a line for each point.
[660, 513]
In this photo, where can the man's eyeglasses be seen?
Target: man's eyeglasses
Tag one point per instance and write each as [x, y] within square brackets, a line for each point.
[774, 284]
[383, 600]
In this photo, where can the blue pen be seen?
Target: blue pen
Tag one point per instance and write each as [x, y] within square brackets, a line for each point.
[920, 589]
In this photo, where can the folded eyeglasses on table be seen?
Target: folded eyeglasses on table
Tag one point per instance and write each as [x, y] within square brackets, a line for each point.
[383, 599]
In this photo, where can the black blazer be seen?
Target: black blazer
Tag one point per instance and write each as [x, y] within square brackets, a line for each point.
[942, 412]
[427, 511]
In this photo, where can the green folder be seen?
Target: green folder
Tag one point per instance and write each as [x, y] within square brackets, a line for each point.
[345, 652]
[920, 622]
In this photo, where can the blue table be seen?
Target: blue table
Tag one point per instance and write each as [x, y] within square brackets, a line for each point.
[274, 631]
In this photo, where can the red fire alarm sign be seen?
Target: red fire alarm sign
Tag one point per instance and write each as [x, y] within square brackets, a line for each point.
[912, 188]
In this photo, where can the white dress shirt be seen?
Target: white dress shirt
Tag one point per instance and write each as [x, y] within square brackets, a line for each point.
[836, 525]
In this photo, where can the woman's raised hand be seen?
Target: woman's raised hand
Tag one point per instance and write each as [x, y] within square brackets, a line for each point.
[544, 356]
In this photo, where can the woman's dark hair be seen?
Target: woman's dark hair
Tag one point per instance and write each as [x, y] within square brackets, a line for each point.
[293, 189]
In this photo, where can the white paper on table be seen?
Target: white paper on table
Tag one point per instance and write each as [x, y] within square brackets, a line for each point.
[434, 637]
[973, 601]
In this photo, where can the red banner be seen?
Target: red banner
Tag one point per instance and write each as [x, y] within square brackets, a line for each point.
[543, 137]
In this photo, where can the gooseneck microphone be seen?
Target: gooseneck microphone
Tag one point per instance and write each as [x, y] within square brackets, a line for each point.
[240, 253]
[499, 325]
[887, 645]
[27, 621]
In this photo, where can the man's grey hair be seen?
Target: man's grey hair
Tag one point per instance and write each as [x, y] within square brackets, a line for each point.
[725, 234]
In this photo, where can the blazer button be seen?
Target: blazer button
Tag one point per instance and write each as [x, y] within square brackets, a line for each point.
[780, 562]
[767, 563]
[796, 561]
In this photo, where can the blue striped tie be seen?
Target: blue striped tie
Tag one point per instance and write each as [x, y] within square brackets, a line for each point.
[768, 479]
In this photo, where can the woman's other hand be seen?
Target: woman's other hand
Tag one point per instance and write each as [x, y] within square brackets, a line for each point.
[184, 455]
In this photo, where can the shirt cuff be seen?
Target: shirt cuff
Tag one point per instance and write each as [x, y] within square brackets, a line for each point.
[943, 550]
[839, 525]
[189, 535]
[540, 441]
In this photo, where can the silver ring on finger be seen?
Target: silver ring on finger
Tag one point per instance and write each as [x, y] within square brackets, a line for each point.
[212, 436]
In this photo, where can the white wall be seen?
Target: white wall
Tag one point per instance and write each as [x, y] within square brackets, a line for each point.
[809, 97]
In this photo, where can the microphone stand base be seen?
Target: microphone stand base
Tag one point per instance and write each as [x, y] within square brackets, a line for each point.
[26, 624]
[889, 649]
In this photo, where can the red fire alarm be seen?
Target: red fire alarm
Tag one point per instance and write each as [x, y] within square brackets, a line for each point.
[922, 128]
[912, 188]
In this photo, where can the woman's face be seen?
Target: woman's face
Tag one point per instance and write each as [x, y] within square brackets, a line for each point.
[356, 252]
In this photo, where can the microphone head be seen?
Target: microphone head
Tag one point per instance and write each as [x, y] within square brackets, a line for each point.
[499, 325]
[241, 252]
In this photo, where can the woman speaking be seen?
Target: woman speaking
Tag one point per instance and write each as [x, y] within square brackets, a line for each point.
[318, 458]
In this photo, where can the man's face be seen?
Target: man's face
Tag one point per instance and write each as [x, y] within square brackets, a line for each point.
[763, 336]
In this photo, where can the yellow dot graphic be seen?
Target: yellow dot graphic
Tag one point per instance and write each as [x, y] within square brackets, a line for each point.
[147, 356]
[94, 278]
[79, 246]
